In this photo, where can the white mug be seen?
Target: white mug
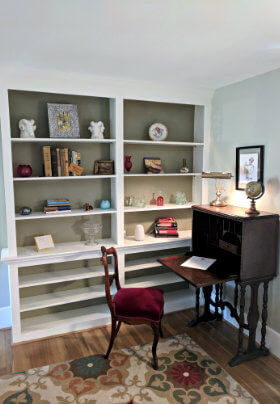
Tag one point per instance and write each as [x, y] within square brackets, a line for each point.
[139, 233]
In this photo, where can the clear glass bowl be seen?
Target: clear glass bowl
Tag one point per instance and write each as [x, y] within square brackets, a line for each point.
[90, 230]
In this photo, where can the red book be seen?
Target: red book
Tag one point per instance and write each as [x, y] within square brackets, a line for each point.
[167, 232]
[166, 219]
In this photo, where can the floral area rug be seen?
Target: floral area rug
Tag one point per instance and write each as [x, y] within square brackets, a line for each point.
[186, 375]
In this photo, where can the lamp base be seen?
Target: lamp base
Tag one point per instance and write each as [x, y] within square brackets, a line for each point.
[218, 201]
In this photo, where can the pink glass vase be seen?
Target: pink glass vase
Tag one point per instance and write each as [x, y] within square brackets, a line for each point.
[127, 163]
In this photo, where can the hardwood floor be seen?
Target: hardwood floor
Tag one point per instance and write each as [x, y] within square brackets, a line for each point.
[260, 377]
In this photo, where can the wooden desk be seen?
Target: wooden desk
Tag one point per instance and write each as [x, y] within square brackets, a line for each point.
[246, 249]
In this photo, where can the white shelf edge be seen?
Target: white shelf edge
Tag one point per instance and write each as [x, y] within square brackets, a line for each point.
[47, 278]
[74, 212]
[60, 140]
[167, 206]
[162, 143]
[62, 178]
[164, 175]
[141, 263]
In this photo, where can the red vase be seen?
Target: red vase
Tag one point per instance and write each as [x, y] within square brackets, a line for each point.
[127, 163]
[24, 171]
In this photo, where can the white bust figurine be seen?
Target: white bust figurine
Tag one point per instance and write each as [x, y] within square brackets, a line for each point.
[27, 128]
[96, 129]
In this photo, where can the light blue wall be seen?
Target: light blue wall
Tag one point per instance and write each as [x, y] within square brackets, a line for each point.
[248, 113]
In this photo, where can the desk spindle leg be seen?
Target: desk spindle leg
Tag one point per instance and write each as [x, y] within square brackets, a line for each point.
[195, 320]
[218, 302]
[264, 318]
[236, 359]
[221, 299]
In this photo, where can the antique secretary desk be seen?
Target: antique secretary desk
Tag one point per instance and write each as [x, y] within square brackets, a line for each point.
[246, 250]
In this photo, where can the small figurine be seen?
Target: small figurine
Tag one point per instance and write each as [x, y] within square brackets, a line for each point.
[96, 129]
[184, 169]
[153, 201]
[181, 198]
[25, 211]
[88, 207]
[27, 128]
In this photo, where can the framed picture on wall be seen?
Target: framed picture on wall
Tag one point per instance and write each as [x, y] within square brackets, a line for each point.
[63, 120]
[249, 165]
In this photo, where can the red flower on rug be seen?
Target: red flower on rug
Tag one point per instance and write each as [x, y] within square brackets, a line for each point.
[80, 386]
[186, 374]
[60, 372]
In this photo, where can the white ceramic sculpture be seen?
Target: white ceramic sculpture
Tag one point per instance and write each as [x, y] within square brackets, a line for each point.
[139, 233]
[96, 129]
[27, 128]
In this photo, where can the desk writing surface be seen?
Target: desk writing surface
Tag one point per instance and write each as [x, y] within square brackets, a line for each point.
[196, 277]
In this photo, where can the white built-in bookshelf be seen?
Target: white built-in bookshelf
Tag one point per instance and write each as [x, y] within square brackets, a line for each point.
[63, 290]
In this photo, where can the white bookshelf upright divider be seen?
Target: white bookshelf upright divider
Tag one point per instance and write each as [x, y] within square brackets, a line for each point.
[63, 290]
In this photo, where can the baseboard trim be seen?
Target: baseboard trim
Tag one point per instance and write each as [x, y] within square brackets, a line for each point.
[5, 317]
[272, 336]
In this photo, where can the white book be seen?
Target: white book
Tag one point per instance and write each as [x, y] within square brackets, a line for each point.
[201, 263]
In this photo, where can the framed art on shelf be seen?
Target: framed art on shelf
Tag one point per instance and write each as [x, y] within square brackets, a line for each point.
[63, 121]
[249, 165]
[104, 167]
[153, 165]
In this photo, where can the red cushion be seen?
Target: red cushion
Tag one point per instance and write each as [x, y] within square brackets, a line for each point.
[139, 303]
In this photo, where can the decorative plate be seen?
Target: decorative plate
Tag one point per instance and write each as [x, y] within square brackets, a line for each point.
[158, 131]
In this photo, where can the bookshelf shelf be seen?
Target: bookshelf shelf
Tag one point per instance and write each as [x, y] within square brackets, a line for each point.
[60, 140]
[74, 212]
[81, 177]
[151, 281]
[164, 175]
[148, 208]
[59, 298]
[47, 278]
[141, 263]
[162, 143]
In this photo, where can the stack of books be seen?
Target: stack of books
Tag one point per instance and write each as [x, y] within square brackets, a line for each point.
[166, 227]
[57, 161]
[54, 206]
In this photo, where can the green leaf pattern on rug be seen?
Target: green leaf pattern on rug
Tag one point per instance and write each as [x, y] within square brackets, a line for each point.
[216, 387]
[156, 382]
[193, 397]
[213, 368]
[185, 355]
[21, 397]
[165, 361]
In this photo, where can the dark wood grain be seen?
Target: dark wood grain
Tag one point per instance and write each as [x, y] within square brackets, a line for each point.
[196, 277]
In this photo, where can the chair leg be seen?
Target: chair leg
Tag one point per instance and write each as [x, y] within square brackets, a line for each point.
[118, 328]
[156, 328]
[160, 328]
[114, 331]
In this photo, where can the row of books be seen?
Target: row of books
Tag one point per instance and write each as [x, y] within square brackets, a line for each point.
[57, 161]
[54, 206]
[166, 227]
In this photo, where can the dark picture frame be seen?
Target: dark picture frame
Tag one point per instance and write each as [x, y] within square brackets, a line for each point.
[249, 165]
[104, 167]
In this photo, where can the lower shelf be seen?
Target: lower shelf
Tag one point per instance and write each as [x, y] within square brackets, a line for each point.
[150, 281]
[88, 317]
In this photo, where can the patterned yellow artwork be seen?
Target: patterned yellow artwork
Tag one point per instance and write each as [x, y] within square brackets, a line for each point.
[63, 120]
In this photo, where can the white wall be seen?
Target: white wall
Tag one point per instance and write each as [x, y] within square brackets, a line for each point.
[243, 114]
[54, 81]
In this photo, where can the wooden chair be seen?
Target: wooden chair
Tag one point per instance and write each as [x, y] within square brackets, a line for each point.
[132, 305]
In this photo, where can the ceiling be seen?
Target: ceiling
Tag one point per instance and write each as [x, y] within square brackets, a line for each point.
[205, 43]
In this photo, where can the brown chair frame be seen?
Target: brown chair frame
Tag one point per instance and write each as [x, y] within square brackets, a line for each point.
[118, 320]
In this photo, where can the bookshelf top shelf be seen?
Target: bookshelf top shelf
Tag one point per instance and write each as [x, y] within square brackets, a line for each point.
[59, 140]
[162, 143]
[70, 177]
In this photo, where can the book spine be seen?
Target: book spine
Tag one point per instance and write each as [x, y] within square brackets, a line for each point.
[62, 161]
[65, 162]
[59, 173]
[70, 159]
[167, 232]
[169, 225]
[54, 162]
[47, 161]
[74, 159]
[166, 228]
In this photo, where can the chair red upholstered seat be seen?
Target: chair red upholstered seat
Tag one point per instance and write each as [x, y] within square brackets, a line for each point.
[139, 303]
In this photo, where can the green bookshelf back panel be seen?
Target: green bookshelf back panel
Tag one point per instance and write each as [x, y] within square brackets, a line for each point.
[32, 154]
[33, 105]
[168, 186]
[66, 229]
[139, 115]
[147, 219]
[171, 157]
[77, 191]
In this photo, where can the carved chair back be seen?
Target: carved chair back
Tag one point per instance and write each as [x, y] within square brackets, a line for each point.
[110, 278]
